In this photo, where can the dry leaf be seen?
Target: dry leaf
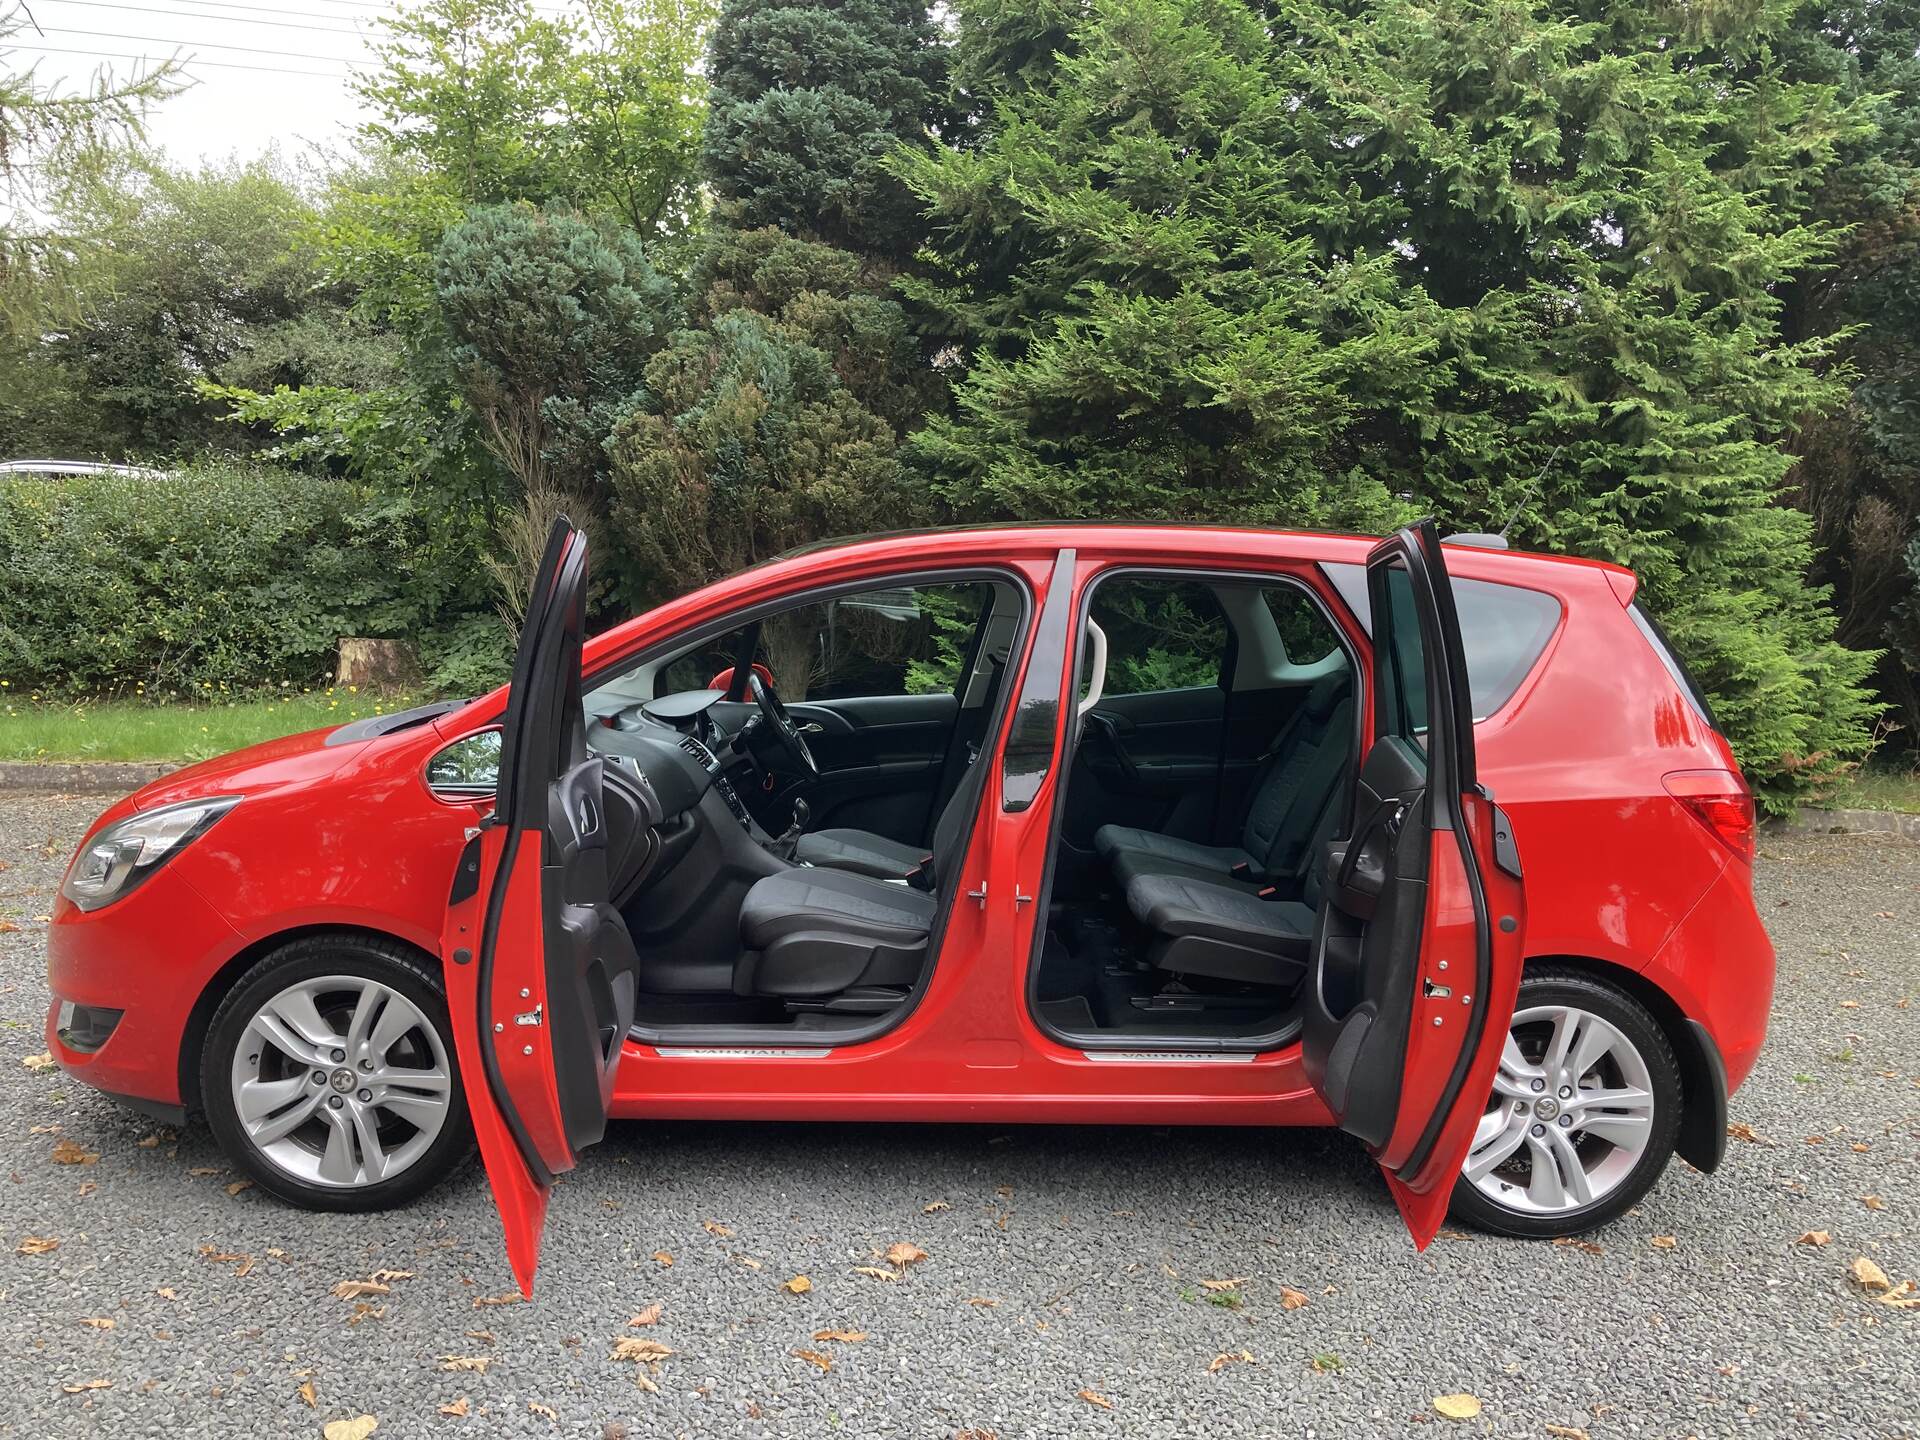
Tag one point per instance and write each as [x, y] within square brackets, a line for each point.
[385, 1277]
[38, 1063]
[626, 1347]
[364, 1311]
[874, 1272]
[714, 1227]
[512, 1297]
[80, 1387]
[87, 1187]
[1860, 1149]
[749, 1262]
[200, 1172]
[902, 1254]
[237, 1186]
[1867, 1275]
[538, 1409]
[1457, 1407]
[1814, 1237]
[640, 1379]
[167, 1292]
[1291, 1299]
[1568, 1432]
[935, 1207]
[1904, 1296]
[1226, 1358]
[355, 1289]
[983, 1303]
[1663, 1242]
[1233, 1283]
[68, 1152]
[814, 1357]
[1093, 1399]
[798, 1285]
[356, 1429]
[148, 1142]
[458, 1409]
[1873, 1202]
[844, 1337]
[662, 1258]
[97, 1322]
[1740, 1130]
[475, 1363]
[37, 1245]
[307, 1393]
[649, 1316]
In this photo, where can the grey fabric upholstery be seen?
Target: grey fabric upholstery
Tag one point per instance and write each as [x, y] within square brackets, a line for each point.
[1221, 931]
[806, 899]
[860, 851]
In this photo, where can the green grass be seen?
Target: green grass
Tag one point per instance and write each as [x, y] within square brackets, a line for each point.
[130, 730]
[1893, 786]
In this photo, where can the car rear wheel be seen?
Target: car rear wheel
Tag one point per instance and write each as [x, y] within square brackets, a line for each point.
[329, 1075]
[1583, 1114]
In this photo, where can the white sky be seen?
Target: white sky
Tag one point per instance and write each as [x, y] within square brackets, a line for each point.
[266, 72]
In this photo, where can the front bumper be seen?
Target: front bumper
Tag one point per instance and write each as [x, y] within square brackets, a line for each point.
[141, 963]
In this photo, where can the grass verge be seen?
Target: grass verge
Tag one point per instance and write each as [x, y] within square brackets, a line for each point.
[124, 730]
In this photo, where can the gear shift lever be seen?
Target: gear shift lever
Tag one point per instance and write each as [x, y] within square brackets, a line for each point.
[796, 827]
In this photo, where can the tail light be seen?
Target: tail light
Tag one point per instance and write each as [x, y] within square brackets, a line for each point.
[1719, 800]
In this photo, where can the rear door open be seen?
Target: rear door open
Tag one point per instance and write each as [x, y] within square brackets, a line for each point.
[1418, 949]
[540, 969]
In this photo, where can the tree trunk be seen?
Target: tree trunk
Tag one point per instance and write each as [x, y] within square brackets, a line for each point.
[382, 665]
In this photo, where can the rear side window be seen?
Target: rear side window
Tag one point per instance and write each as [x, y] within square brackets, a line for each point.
[1503, 630]
[1669, 657]
[1403, 678]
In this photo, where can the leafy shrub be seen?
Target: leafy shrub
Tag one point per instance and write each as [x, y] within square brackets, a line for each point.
[221, 576]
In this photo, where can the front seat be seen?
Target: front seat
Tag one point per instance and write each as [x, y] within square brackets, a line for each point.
[807, 932]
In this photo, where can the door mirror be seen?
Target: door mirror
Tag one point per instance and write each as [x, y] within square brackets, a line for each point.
[467, 768]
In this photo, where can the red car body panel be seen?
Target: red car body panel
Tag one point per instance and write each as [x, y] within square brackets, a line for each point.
[1617, 871]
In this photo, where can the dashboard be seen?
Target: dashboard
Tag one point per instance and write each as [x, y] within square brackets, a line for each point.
[673, 745]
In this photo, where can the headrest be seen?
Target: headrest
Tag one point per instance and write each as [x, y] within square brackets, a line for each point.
[1328, 691]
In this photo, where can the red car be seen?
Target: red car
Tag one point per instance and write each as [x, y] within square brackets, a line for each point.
[1075, 823]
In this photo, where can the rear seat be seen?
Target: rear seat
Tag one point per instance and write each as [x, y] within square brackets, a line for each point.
[1298, 780]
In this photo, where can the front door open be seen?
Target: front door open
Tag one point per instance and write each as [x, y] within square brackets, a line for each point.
[540, 969]
[1418, 951]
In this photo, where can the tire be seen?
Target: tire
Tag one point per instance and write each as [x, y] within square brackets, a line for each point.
[375, 1129]
[1534, 1115]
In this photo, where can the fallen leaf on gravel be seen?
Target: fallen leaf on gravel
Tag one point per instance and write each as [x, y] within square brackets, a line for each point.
[1859, 1148]
[1814, 1237]
[538, 1409]
[355, 1289]
[628, 1348]
[475, 1363]
[363, 1311]
[814, 1357]
[69, 1152]
[984, 1304]
[200, 1172]
[1873, 1202]
[1451, 1235]
[1232, 1283]
[1457, 1407]
[874, 1272]
[457, 1408]
[798, 1285]
[662, 1258]
[1585, 1247]
[485, 1337]
[903, 1253]
[1740, 1130]
[307, 1393]
[1663, 1242]
[714, 1227]
[148, 1142]
[649, 1316]
[1902, 1296]
[1292, 1299]
[1224, 1359]
[80, 1387]
[7, 927]
[87, 1188]
[1093, 1399]
[43, 1130]
[640, 1378]
[1568, 1432]
[237, 1186]
[844, 1337]
[356, 1429]
[98, 1322]
[38, 1063]
[37, 1245]
[976, 1435]
[167, 1292]
[749, 1262]
[935, 1207]
[1867, 1275]
[512, 1297]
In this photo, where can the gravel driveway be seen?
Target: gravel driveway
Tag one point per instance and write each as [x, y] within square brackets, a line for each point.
[1065, 1289]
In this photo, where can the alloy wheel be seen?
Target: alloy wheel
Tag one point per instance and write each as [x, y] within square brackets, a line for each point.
[341, 1081]
[1571, 1114]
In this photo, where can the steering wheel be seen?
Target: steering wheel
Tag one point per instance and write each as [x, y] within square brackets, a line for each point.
[781, 725]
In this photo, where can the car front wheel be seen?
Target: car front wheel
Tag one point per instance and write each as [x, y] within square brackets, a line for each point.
[1583, 1114]
[329, 1075]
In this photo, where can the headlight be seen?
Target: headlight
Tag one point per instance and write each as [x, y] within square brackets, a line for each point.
[121, 856]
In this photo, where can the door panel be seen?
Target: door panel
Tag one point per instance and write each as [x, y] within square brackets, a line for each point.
[1418, 948]
[541, 972]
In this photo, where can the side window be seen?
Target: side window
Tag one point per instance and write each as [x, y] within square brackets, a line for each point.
[1304, 630]
[1503, 630]
[892, 640]
[1161, 634]
[1401, 662]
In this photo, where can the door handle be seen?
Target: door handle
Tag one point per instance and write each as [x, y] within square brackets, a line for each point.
[811, 727]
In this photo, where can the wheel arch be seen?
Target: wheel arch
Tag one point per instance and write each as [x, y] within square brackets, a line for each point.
[1702, 1140]
[194, 1038]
